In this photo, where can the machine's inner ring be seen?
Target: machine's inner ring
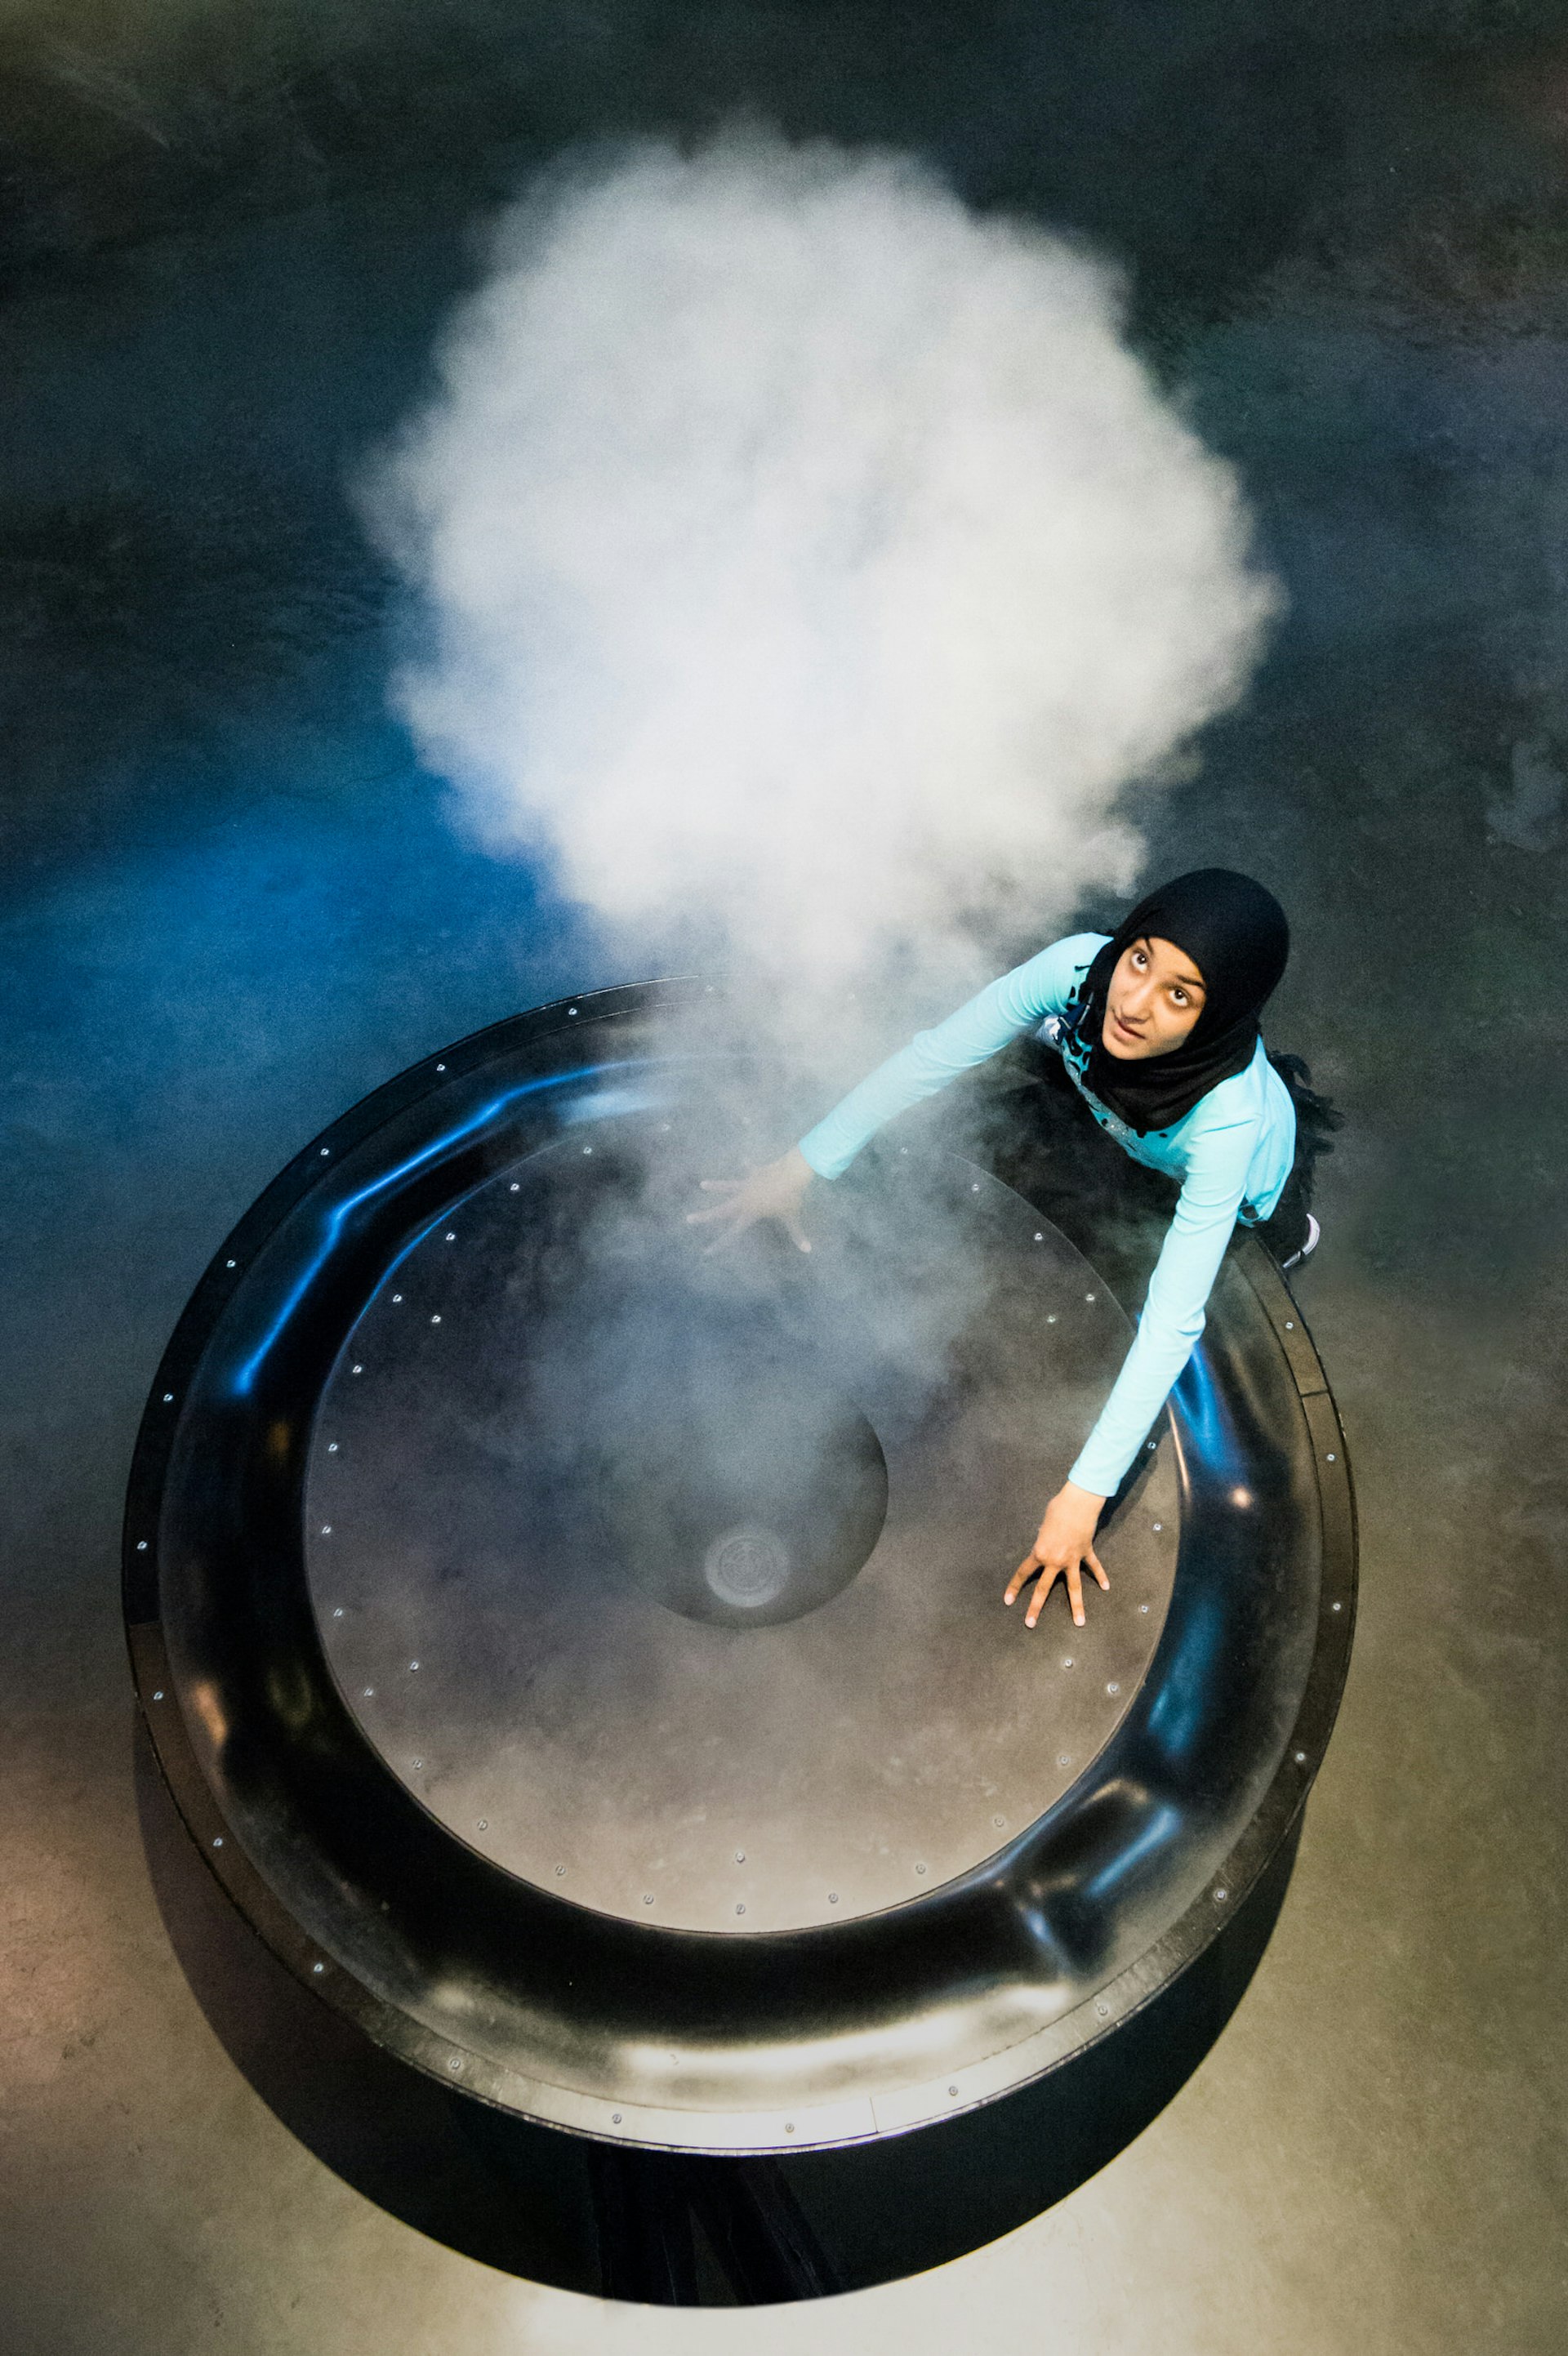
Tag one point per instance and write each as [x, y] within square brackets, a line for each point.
[675, 1585]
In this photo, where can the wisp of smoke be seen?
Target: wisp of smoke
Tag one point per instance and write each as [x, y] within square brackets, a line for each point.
[809, 556]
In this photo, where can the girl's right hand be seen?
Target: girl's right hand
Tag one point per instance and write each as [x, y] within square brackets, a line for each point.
[774, 1192]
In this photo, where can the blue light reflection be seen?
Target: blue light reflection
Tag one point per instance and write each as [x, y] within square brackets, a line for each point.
[337, 1219]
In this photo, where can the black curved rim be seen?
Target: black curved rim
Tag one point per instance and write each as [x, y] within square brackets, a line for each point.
[554, 1038]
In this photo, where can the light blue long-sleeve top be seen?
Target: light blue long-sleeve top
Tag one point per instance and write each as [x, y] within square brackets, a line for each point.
[1233, 1153]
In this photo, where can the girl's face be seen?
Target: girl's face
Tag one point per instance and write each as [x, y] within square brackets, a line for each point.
[1155, 996]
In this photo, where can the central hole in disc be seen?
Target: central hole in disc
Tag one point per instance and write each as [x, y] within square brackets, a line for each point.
[736, 1482]
[746, 1567]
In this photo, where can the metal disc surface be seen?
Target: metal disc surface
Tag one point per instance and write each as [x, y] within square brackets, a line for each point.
[672, 1582]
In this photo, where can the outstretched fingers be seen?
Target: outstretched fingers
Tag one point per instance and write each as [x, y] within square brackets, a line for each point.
[727, 1187]
[1049, 1574]
[1030, 1563]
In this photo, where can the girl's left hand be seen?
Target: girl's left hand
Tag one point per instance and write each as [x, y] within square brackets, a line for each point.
[1066, 1542]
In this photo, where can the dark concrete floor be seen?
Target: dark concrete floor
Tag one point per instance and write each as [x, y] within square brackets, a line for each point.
[230, 905]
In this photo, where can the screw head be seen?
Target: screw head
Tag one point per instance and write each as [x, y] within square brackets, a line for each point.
[416, 1762]
[141, 1546]
[1331, 1456]
[514, 1188]
[1090, 1297]
[318, 1967]
[920, 1868]
[1301, 1758]
[484, 1824]
[1338, 1607]
[1103, 2010]
[325, 1152]
[451, 1234]
[455, 2065]
[740, 1856]
[1290, 1324]
[336, 1611]
[414, 1664]
[441, 1067]
[219, 1841]
[740, 1909]
[436, 1319]
[952, 2090]
[648, 1897]
[1159, 1525]
[615, 2119]
[325, 1529]
[1067, 1660]
[560, 1873]
[159, 1695]
[1064, 1758]
[397, 1296]
[999, 1822]
[230, 1263]
[1144, 1610]
[332, 1448]
[832, 1898]
[1113, 1687]
[370, 1693]
[1220, 1896]
[356, 1370]
[168, 1398]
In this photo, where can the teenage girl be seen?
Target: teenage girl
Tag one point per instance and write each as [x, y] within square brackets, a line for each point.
[1157, 1026]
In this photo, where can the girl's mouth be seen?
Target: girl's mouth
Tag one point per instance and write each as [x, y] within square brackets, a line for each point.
[1125, 1030]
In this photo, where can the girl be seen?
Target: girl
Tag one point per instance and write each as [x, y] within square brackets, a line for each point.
[1157, 1027]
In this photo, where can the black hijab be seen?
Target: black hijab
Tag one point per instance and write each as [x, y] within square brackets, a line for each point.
[1236, 934]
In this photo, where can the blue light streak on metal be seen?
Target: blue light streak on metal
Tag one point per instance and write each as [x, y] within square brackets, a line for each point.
[1197, 1397]
[1163, 1825]
[337, 1219]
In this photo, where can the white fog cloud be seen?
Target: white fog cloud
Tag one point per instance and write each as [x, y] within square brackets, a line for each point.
[809, 556]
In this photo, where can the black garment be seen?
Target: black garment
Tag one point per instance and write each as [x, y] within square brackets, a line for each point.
[1043, 1139]
[1236, 934]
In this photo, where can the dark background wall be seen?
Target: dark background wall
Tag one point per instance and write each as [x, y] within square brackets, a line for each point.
[230, 902]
